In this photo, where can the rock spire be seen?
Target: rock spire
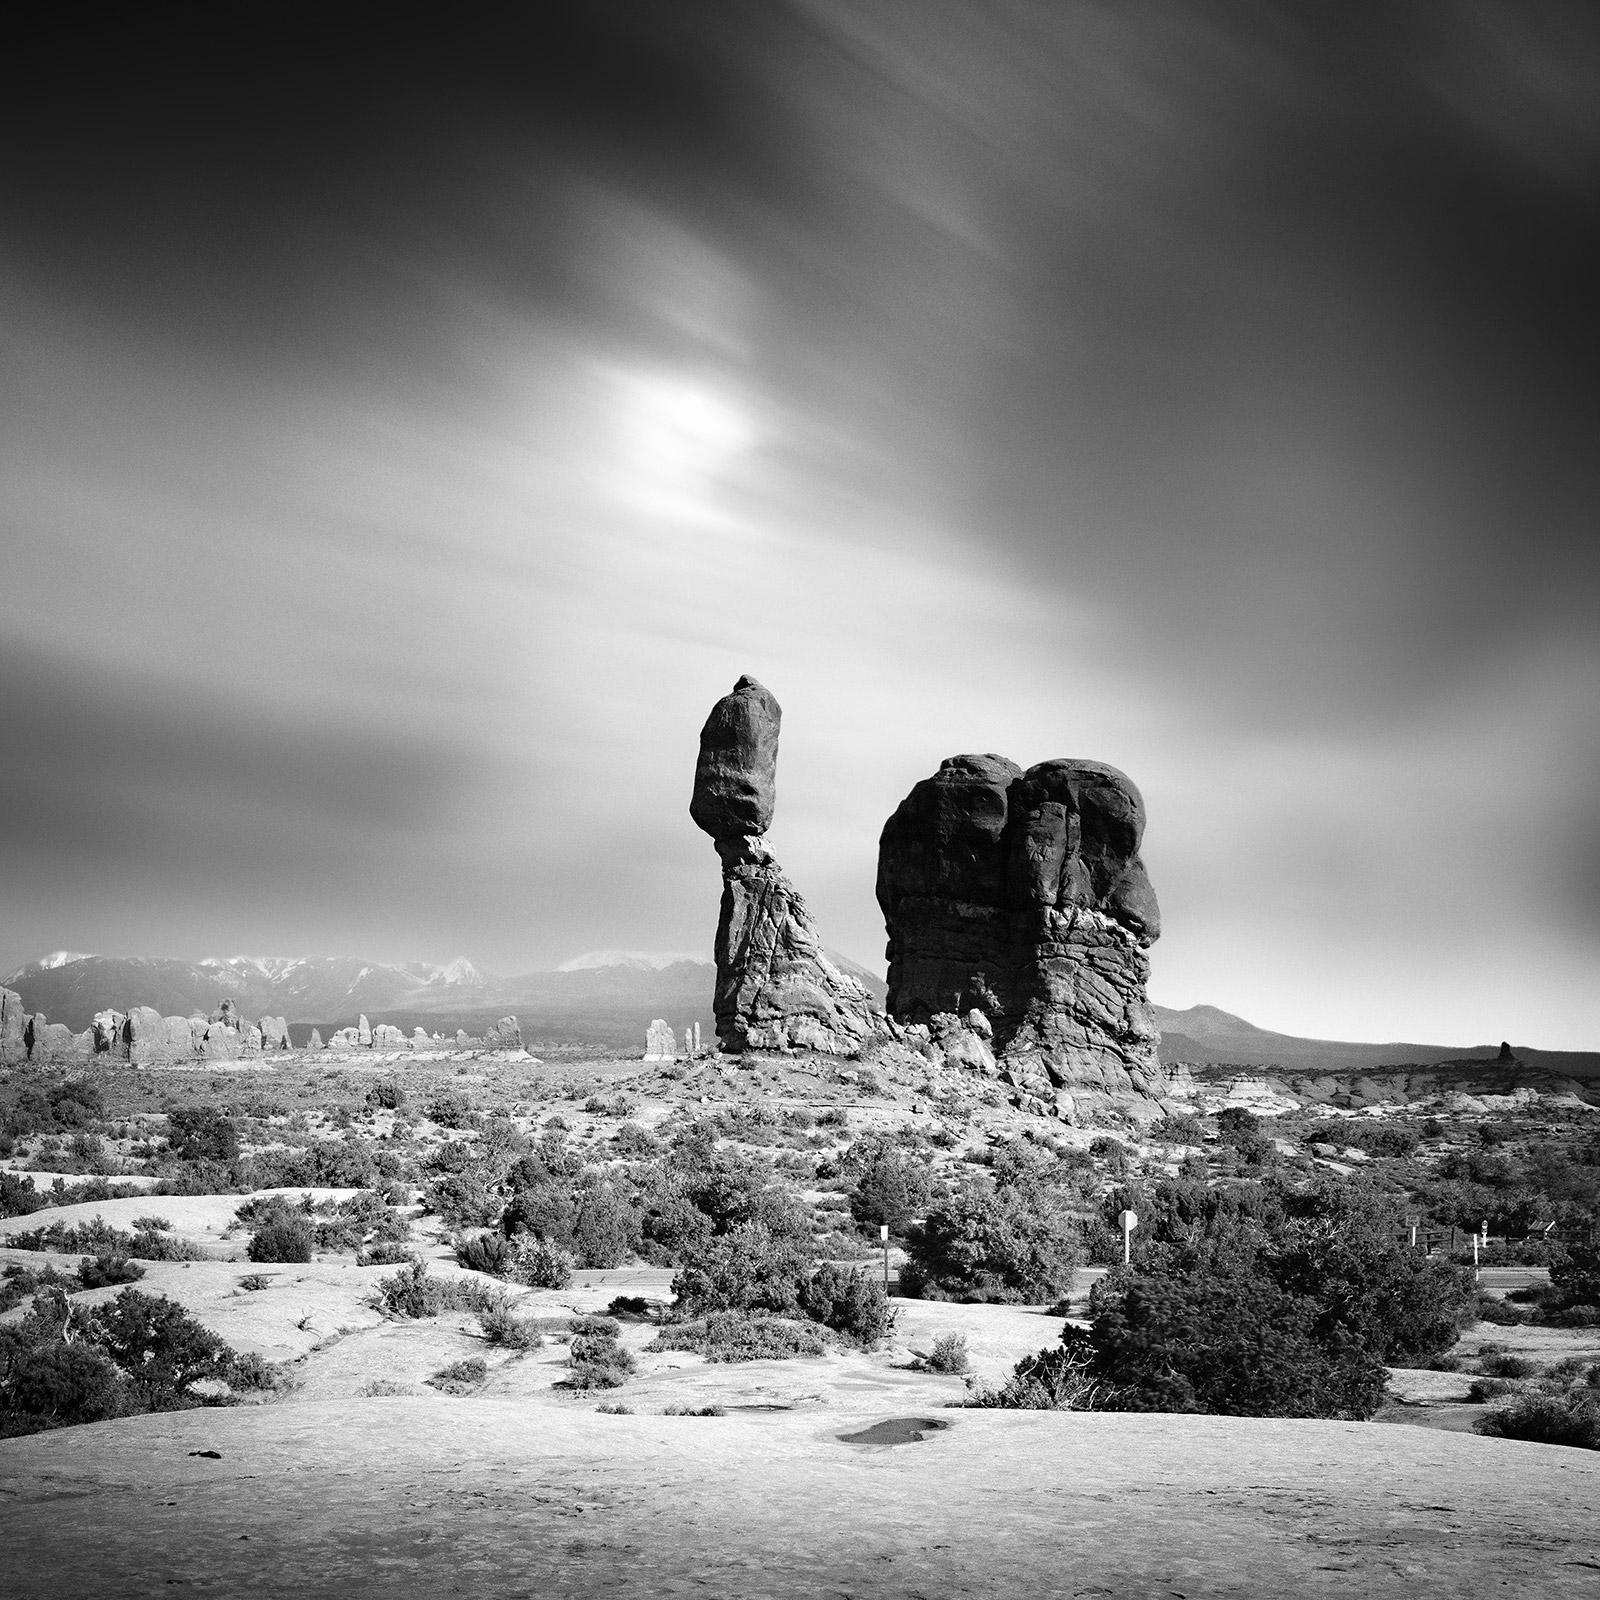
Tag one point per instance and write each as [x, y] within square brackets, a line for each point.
[776, 989]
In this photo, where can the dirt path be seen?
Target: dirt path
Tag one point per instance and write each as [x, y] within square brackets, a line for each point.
[427, 1497]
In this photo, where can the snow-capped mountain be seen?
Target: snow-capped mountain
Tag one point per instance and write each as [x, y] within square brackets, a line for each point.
[70, 987]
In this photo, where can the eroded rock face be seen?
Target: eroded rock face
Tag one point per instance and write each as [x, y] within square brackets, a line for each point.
[776, 990]
[1021, 896]
[13, 1029]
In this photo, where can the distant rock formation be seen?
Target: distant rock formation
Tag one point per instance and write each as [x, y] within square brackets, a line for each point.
[506, 1034]
[13, 1029]
[659, 1043]
[1018, 900]
[776, 990]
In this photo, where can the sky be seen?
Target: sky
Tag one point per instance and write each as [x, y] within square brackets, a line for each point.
[411, 423]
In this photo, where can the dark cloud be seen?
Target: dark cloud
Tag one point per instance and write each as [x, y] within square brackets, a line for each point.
[441, 408]
[111, 769]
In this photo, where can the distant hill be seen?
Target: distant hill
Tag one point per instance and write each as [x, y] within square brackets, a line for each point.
[1203, 1035]
[71, 988]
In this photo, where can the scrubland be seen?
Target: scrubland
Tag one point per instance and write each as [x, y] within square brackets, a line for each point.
[469, 1248]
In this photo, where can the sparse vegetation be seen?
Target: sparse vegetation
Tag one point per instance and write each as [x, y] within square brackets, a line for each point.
[742, 1336]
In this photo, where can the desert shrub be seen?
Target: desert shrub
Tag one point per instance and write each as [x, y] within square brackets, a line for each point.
[249, 1372]
[200, 1133]
[460, 1377]
[851, 1303]
[19, 1282]
[411, 1292]
[742, 1336]
[1182, 1128]
[1570, 1419]
[324, 1164]
[18, 1197]
[602, 1228]
[362, 1219]
[1481, 1389]
[492, 1253]
[614, 1408]
[1508, 1366]
[253, 1281]
[693, 1411]
[58, 1385]
[634, 1143]
[541, 1265]
[383, 1253]
[503, 1327]
[996, 1242]
[1059, 1379]
[893, 1188]
[386, 1094]
[748, 1269]
[158, 1345]
[949, 1354]
[98, 1237]
[465, 1199]
[1230, 1342]
[450, 1108]
[95, 1272]
[1280, 1303]
[1491, 1308]
[282, 1238]
[596, 1360]
[629, 1305]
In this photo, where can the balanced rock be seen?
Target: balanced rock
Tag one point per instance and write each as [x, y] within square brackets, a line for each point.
[659, 1043]
[735, 779]
[1020, 896]
[385, 1036]
[364, 1030]
[315, 1041]
[776, 989]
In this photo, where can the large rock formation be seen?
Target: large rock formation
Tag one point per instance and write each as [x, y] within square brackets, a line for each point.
[1020, 896]
[776, 990]
[13, 1029]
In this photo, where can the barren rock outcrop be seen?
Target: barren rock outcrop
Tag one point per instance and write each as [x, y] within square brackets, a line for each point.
[776, 990]
[13, 1029]
[1021, 896]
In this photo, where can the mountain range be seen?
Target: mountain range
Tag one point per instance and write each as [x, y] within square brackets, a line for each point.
[605, 999]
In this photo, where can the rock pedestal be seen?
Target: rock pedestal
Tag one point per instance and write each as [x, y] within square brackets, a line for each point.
[1021, 896]
[776, 989]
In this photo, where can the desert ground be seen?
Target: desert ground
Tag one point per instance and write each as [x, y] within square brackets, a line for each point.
[359, 1475]
[425, 1495]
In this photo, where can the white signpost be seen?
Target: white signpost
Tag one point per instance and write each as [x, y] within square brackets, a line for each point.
[1129, 1221]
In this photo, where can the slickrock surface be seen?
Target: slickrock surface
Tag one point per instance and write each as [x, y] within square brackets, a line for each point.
[776, 989]
[1021, 896]
[426, 1496]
